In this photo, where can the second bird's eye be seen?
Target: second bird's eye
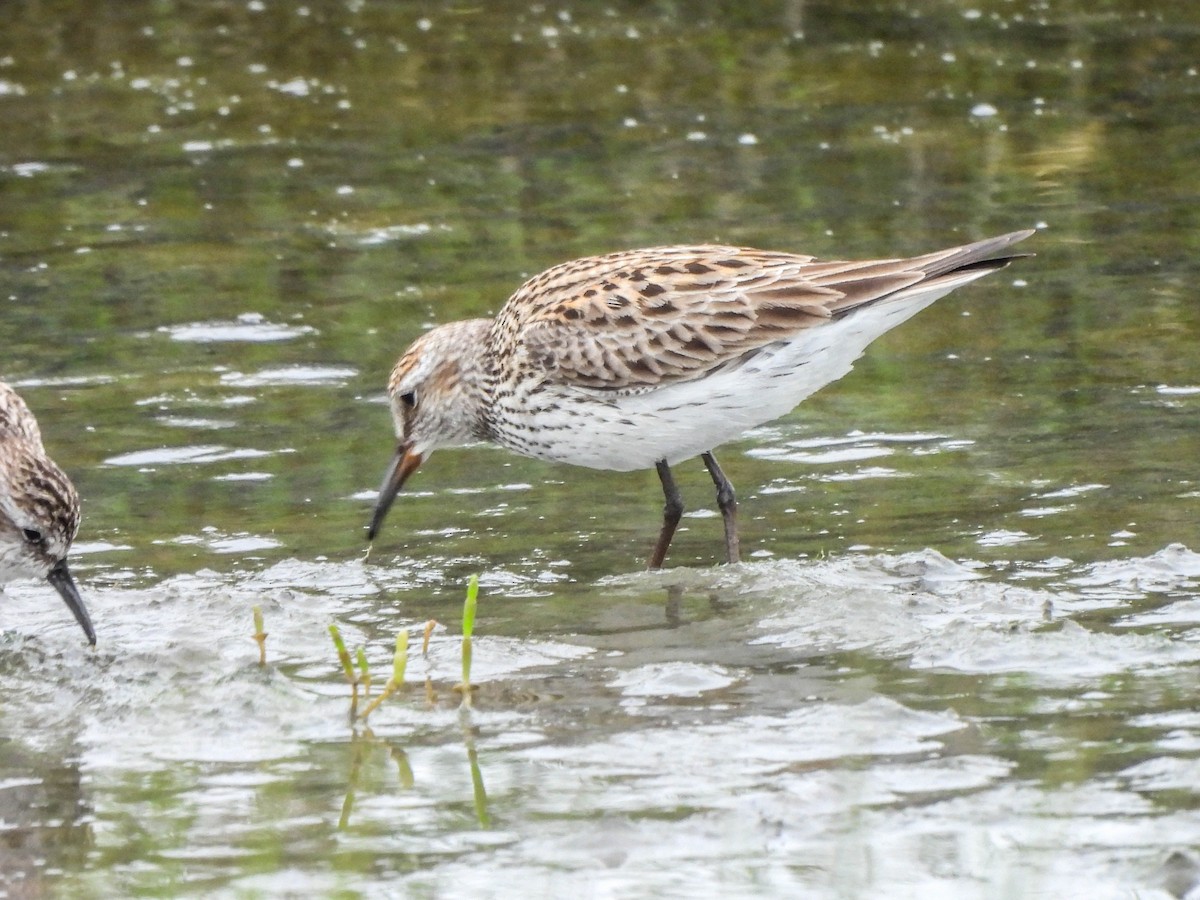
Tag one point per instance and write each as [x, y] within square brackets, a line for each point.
[409, 399]
[33, 535]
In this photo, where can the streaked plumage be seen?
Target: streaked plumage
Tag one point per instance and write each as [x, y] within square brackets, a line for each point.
[647, 357]
[39, 509]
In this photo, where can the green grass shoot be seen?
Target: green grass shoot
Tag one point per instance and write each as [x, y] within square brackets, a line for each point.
[364, 670]
[468, 626]
[343, 654]
[400, 659]
[466, 686]
[469, 606]
[347, 668]
[399, 664]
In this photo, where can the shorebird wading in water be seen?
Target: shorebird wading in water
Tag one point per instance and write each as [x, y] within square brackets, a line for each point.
[39, 509]
[644, 358]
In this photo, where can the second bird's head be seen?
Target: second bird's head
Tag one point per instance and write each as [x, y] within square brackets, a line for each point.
[434, 394]
[39, 516]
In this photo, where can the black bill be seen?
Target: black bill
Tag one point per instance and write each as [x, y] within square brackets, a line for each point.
[60, 577]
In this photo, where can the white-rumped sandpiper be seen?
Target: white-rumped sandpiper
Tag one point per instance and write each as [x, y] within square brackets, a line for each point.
[644, 358]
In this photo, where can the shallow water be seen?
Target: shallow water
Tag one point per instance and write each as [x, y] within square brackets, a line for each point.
[960, 659]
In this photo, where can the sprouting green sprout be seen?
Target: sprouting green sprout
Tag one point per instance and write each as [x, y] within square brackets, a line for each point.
[468, 626]
[343, 654]
[400, 658]
[260, 636]
[364, 670]
[469, 606]
[465, 687]
[399, 663]
[347, 668]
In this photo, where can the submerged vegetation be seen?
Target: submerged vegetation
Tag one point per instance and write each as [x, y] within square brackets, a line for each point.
[399, 663]
[357, 670]
[357, 673]
[468, 630]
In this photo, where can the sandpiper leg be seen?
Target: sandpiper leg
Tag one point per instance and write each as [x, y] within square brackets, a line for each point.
[672, 510]
[727, 502]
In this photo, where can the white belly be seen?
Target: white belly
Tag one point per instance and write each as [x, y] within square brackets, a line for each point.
[601, 431]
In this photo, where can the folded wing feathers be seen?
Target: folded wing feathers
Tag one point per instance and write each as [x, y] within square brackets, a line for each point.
[635, 320]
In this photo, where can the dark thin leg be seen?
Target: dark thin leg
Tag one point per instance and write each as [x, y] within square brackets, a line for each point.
[672, 510]
[727, 502]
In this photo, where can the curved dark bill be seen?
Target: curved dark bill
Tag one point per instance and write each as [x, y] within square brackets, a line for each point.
[60, 577]
[403, 464]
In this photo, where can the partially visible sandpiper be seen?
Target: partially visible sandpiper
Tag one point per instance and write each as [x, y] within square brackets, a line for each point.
[644, 358]
[39, 509]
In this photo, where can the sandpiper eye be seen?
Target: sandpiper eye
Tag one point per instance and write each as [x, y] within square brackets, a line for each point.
[33, 535]
[409, 399]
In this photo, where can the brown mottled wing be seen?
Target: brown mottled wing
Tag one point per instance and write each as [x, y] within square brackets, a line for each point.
[16, 421]
[645, 318]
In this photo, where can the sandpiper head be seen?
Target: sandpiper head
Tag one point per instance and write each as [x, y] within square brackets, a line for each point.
[434, 392]
[39, 516]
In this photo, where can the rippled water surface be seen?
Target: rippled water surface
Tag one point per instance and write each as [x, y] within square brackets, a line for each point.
[960, 659]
